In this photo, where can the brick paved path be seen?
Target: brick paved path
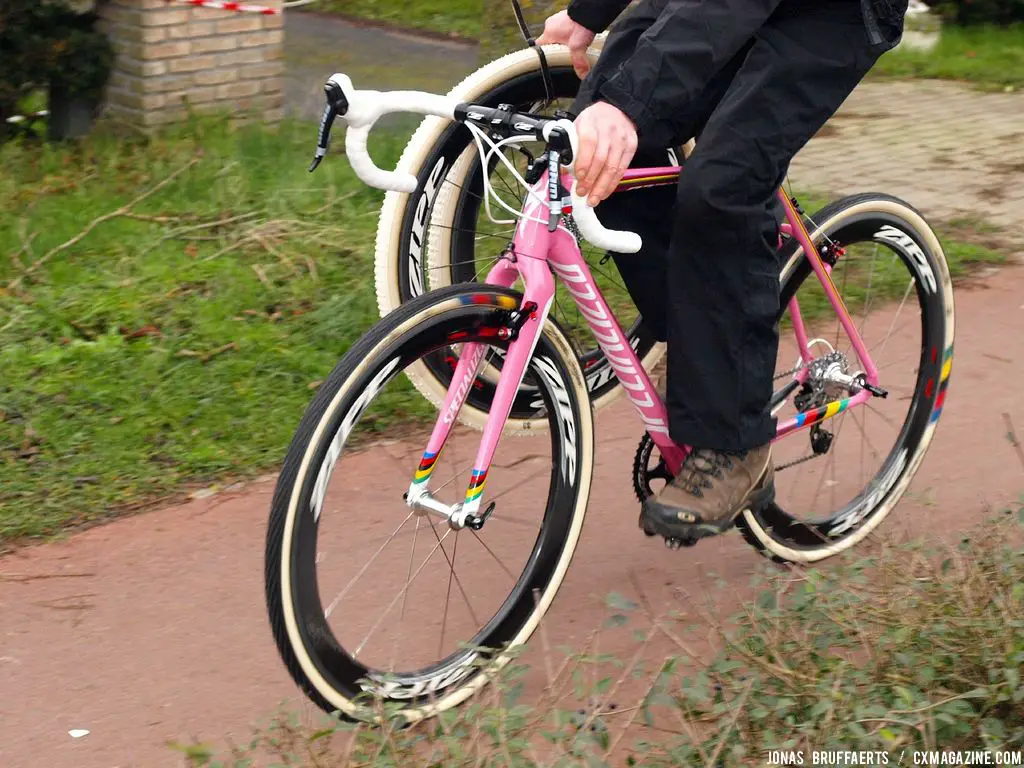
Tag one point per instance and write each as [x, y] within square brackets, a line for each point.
[950, 150]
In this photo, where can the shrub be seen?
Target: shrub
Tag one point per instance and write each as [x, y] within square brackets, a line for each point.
[23, 48]
[49, 43]
[972, 12]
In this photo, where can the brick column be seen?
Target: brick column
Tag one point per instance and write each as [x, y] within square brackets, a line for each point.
[173, 59]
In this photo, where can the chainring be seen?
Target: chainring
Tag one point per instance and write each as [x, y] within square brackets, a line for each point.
[643, 473]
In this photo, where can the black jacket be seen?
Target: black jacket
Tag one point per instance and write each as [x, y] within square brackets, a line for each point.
[690, 40]
[883, 18]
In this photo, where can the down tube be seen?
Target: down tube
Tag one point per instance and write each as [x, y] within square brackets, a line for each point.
[567, 262]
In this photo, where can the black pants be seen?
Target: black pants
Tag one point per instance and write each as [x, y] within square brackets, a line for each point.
[707, 280]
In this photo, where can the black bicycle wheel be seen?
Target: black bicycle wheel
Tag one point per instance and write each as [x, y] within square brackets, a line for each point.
[836, 483]
[343, 657]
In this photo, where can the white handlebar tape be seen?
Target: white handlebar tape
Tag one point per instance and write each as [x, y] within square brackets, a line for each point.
[595, 233]
[365, 108]
[361, 162]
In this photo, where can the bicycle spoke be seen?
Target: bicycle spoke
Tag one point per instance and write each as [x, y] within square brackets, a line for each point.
[396, 598]
[334, 603]
[452, 575]
[842, 293]
[401, 619]
[462, 188]
[862, 462]
[477, 232]
[491, 552]
[867, 300]
[603, 273]
[457, 263]
[904, 358]
[857, 423]
[906, 293]
[485, 268]
[412, 558]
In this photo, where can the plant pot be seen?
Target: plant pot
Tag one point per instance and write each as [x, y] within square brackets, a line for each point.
[72, 116]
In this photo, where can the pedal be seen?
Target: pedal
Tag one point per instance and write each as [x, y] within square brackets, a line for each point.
[675, 544]
[648, 531]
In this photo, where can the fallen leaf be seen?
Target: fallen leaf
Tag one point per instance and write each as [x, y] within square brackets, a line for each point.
[138, 333]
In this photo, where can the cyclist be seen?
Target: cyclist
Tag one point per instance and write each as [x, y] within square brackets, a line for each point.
[753, 80]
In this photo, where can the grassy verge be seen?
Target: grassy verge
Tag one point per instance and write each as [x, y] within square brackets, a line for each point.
[177, 342]
[915, 647]
[458, 18]
[989, 56]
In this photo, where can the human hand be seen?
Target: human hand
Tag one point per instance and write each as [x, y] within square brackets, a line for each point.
[562, 30]
[607, 143]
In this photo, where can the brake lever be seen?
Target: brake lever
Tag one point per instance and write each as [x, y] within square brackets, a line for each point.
[554, 199]
[336, 105]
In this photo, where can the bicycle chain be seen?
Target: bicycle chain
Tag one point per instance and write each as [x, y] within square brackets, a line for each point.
[809, 456]
[794, 462]
[570, 223]
[790, 372]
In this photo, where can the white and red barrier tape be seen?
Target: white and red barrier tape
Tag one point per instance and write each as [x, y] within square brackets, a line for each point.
[229, 5]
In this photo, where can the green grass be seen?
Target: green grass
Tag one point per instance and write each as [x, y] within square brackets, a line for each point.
[166, 349]
[990, 56]
[179, 344]
[460, 18]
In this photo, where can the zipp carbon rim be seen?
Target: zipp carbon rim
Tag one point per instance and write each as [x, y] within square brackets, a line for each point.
[331, 677]
[888, 221]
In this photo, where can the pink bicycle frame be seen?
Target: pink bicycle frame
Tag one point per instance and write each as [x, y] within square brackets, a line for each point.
[541, 254]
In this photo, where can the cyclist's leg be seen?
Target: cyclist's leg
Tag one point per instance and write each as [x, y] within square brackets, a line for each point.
[649, 211]
[723, 271]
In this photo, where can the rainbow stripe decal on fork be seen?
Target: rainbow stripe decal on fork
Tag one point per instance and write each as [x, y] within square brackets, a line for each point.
[476, 486]
[427, 464]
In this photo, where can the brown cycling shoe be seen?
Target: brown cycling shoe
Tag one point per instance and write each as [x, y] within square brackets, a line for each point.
[710, 491]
